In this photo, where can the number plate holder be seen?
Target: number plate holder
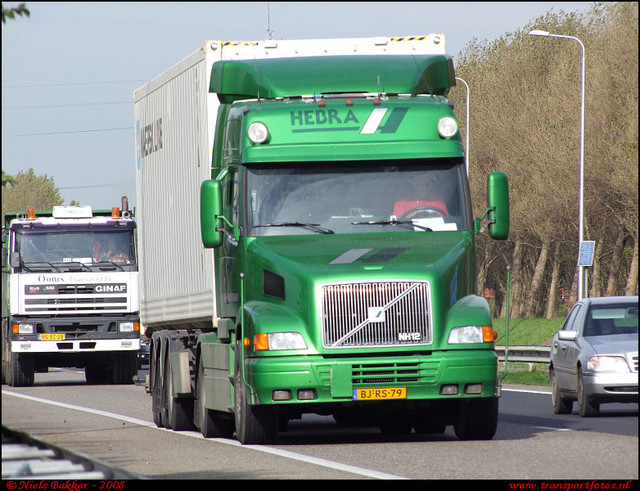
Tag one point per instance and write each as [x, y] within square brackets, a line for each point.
[379, 393]
[52, 337]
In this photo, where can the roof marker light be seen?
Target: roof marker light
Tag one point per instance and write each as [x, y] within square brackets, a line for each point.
[115, 212]
[257, 132]
[31, 214]
[447, 127]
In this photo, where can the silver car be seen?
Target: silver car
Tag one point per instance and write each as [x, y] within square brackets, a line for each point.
[594, 357]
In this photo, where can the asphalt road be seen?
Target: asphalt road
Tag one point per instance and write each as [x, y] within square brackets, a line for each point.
[114, 424]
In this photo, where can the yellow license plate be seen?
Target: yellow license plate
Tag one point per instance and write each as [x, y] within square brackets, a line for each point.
[52, 337]
[380, 393]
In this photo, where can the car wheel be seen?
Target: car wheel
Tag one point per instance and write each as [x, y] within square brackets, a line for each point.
[586, 407]
[560, 404]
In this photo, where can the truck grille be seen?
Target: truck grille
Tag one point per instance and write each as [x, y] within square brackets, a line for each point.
[76, 299]
[371, 314]
[634, 361]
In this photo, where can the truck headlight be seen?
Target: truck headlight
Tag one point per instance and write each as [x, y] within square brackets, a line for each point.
[258, 132]
[608, 364]
[472, 334]
[276, 341]
[447, 127]
[23, 329]
[129, 326]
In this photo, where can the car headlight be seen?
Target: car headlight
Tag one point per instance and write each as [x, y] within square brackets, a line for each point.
[472, 334]
[608, 364]
[276, 341]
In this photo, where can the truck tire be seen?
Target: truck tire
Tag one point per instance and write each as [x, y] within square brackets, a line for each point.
[212, 424]
[95, 374]
[477, 419]
[254, 424]
[397, 423]
[179, 410]
[158, 403]
[21, 370]
[124, 368]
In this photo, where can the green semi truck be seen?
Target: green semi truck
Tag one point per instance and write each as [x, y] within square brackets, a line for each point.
[307, 241]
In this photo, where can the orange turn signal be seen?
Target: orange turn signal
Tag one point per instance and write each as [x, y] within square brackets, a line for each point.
[488, 334]
[261, 342]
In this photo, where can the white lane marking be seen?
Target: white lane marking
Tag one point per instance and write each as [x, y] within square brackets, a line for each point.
[544, 392]
[527, 391]
[551, 428]
[270, 450]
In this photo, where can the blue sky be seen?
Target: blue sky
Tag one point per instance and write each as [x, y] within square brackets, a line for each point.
[69, 71]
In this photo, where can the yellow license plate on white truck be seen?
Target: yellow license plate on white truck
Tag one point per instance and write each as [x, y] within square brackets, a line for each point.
[52, 337]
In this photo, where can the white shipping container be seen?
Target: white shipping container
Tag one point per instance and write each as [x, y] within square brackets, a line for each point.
[174, 121]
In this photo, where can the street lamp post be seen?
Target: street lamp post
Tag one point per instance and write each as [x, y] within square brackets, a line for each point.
[467, 131]
[537, 32]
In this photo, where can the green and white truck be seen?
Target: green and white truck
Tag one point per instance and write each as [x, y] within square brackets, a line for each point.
[307, 241]
[70, 294]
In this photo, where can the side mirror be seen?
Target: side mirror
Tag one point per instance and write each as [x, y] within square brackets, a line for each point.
[14, 259]
[210, 211]
[567, 335]
[498, 201]
[497, 212]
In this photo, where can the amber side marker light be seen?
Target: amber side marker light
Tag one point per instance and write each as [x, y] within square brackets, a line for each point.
[488, 334]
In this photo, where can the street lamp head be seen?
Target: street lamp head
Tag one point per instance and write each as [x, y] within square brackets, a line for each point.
[538, 32]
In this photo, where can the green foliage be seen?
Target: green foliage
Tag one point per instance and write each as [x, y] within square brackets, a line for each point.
[527, 331]
[526, 374]
[30, 191]
[525, 120]
[12, 12]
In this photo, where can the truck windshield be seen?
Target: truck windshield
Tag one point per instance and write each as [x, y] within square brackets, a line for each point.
[355, 197]
[75, 248]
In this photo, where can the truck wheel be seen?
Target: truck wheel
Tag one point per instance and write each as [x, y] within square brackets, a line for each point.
[429, 421]
[179, 410]
[254, 424]
[395, 424]
[21, 370]
[477, 419]
[158, 404]
[212, 424]
[95, 374]
[124, 368]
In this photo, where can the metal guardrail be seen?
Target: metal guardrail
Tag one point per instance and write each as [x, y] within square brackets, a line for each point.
[525, 354]
[25, 457]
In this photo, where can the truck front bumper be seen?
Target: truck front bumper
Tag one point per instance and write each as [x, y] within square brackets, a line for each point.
[75, 346]
[315, 379]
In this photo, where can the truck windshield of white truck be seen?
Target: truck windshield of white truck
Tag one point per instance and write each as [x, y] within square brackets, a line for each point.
[354, 197]
[75, 247]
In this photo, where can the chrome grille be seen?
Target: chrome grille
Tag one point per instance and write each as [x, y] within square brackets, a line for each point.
[370, 314]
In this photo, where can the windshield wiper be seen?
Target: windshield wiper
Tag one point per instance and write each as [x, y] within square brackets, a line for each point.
[39, 266]
[394, 222]
[313, 226]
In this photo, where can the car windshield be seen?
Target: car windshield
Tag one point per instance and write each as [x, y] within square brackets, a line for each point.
[604, 320]
[355, 197]
[75, 248]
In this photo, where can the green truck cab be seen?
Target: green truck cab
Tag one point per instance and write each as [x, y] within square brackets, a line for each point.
[340, 217]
